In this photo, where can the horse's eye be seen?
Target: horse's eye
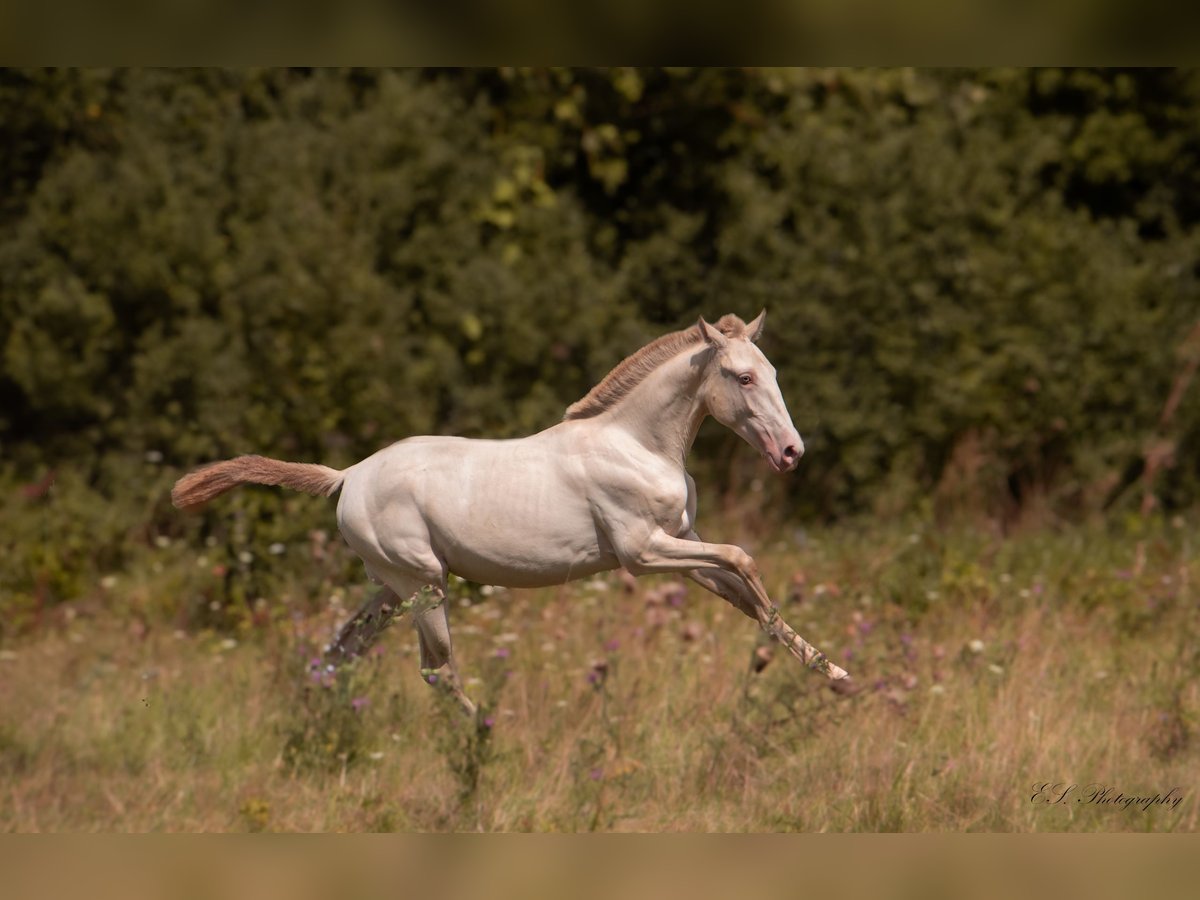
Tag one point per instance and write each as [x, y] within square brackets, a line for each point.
[746, 378]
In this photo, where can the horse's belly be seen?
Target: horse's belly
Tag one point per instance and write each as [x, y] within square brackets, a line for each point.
[520, 544]
[525, 569]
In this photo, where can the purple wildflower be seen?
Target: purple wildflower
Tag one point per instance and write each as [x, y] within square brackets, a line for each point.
[611, 645]
[358, 703]
[489, 722]
[502, 653]
[598, 672]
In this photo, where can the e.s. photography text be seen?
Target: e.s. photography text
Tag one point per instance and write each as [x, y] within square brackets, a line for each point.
[1057, 792]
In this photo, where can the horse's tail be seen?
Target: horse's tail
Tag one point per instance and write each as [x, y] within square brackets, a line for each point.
[213, 480]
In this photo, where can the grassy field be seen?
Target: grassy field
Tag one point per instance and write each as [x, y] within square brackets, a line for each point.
[986, 666]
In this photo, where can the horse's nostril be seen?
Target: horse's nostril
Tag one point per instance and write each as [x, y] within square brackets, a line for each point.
[791, 453]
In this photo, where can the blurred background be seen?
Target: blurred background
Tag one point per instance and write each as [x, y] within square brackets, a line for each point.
[981, 285]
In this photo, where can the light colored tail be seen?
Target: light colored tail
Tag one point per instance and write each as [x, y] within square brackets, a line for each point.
[213, 480]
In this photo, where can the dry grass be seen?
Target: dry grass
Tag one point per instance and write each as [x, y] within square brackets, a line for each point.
[986, 666]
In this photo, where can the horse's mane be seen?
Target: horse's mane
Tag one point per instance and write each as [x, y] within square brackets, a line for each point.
[632, 371]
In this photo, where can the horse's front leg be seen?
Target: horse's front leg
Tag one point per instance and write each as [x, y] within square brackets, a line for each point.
[661, 552]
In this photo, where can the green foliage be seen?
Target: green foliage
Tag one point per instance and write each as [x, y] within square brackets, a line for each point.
[980, 283]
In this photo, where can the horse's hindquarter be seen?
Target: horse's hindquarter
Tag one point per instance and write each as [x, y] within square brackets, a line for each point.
[511, 513]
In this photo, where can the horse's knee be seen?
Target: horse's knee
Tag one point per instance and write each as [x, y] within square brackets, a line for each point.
[743, 562]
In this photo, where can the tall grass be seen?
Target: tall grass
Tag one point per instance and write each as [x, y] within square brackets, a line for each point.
[985, 666]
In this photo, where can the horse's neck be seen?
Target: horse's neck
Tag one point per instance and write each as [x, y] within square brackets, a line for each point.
[664, 412]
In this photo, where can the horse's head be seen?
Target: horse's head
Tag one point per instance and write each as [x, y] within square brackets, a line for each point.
[742, 394]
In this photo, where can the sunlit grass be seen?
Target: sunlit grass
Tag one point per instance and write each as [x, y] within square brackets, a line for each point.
[985, 666]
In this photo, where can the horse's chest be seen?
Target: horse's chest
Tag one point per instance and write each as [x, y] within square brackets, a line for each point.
[669, 509]
[685, 523]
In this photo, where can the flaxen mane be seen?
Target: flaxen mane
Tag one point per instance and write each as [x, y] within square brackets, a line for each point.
[632, 370]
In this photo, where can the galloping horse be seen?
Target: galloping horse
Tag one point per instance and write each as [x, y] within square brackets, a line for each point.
[604, 488]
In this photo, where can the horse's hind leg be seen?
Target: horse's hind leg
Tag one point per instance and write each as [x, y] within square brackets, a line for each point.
[362, 630]
[426, 599]
[396, 596]
[437, 653]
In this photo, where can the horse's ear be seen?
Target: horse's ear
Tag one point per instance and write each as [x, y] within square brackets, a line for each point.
[711, 335]
[754, 329]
